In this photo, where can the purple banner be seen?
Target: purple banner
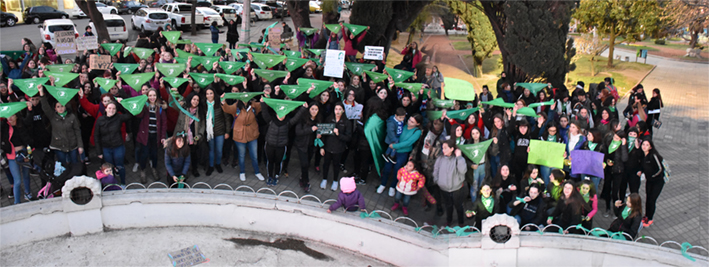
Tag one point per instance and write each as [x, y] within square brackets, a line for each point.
[587, 162]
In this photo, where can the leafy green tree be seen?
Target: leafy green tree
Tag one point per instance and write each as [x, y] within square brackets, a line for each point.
[480, 35]
[621, 20]
[690, 14]
[385, 18]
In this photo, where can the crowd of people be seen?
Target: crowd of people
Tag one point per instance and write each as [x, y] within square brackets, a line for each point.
[195, 125]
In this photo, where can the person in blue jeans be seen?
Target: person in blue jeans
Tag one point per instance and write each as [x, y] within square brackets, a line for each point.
[479, 172]
[217, 130]
[14, 140]
[66, 130]
[395, 126]
[245, 132]
[408, 137]
[108, 139]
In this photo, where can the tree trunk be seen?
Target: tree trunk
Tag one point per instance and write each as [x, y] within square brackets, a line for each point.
[193, 25]
[496, 16]
[593, 66]
[300, 13]
[694, 39]
[611, 47]
[89, 8]
[412, 32]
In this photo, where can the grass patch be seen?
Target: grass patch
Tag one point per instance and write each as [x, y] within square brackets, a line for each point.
[461, 45]
[625, 74]
[636, 47]
[458, 37]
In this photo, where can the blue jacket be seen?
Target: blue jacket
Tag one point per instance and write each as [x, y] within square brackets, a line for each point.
[15, 73]
[407, 139]
[179, 163]
[215, 32]
[394, 130]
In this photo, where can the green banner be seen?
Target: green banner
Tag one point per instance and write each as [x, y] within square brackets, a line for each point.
[207, 62]
[527, 111]
[61, 67]
[400, 75]
[230, 67]
[104, 83]
[231, 79]
[182, 54]
[202, 79]
[270, 75]
[355, 29]
[533, 87]
[358, 68]
[550, 154]
[171, 69]
[126, 68]
[499, 102]
[171, 36]
[266, 61]
[375, 76]
[317, 52]
[320, 86]
[9, 109]
[294, 63]
[294, 91]
[135, 81]
[375, 131]
[308, 31]
[14, 55]
[209, 48]
[292, 54]
[282, 107]
[334, 27]
[61, 78]
[548, 103]
[143, 53]
[453, 114]
[458, 89]
[244, 96]
[414, 88]
[61, 94]
[613, 146]
[475, 152]
[112, 48]
[134, 105]
[175, 81]
[29, 86]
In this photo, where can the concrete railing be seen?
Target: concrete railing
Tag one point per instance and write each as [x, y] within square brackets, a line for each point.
[391, 240]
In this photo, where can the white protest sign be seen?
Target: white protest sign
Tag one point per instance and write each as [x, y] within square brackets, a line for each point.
[86, 43]
[374, 52]
[334, 63]
[64, 42]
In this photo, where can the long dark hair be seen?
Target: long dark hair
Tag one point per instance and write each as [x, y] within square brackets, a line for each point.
[659, 96]
[174, 151]
[200, 107]
[636, 205]
[307, 120]
[575, 200]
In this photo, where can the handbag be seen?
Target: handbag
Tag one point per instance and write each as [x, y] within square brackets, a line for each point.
[657, 124]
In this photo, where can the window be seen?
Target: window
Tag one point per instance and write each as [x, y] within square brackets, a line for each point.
[208, 12]
[158, 16]
[100, 5]
[265, 8]
[115, 23]
[54, 28]
[229, 11]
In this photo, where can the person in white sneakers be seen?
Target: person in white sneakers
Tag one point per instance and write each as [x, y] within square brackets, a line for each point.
[449, 175]
[244, 131]
[403, 147]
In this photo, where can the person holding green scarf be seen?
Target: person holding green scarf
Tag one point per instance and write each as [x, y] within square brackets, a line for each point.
[66, 130]
[192, 121]
[631, 180]
[615, 158]
[307, 140]
[485, 206]
[108, 138]
[629, 215]
[530, 208]
[553, 190]
[217, 130]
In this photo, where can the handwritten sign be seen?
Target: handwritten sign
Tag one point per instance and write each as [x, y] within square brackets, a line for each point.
[326, 128]
[274, 38]
[64, 42]
[99, 62]
[334, 63]
[374, 52]
[187, 257]
[86, 43]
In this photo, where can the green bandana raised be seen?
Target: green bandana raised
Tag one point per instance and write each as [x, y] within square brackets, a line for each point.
[548, 103]
[320, 86]
[61, 78]
[475, 152]
[171, 36]
[126, 68]
[243, 97]
[355, 29]
[358, 68]
[308, 31]
[9, 109]
[265, 61]
[499, 102]
[527, 111]
[208, 48]
[14, 55]
[453, 114]
[237, 53]
[60, 67]
[230, 67]
[135, 81]
[375, 76]
[104, 83]
[270, 75]
[400, 75]
[317, 52]
[293, 91]
[134, 105]
[613, 146]
[171, 70]
[533, 87]
[202, 79]
[231, 79]
[112, 48]
[143, 53]
[414, 88]
[29, 86]
[182, 54]
[294, 63]
[334, 27]
[207, 62]
[61, 94]
[282, 107]
[193, 64]
[175, 81]
[292, 54]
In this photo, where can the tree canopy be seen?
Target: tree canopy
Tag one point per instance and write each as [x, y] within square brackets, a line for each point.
[480, 35]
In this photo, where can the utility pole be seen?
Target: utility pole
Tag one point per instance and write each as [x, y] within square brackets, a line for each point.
[246, 21]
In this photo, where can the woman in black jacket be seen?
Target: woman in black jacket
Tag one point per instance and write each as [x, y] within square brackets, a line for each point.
[504, 185]
[217, 129]
[485, 206]
[629, 215]
[531, 208]
[631, 179]
[305, 135]
[594, 142]
[335, 144]
[232, 34]
[108, 139]
[14, 139]
[277, 139]
[614, 170]
[654, 178]
[500, 152]
[653, 108]
[569, 207]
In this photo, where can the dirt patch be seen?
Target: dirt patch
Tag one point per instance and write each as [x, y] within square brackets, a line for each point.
[282, 244]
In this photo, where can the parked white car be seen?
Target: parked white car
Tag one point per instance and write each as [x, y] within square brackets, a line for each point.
[103, 8]
[263, 12]
[240, 10]
[48, 27]
[149, 19]
[210, 16]
[181, 15]
[226, 12]
[116, 27]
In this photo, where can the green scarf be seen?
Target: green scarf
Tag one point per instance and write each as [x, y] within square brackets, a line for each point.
[631, 143]
[592, 146]
[63, 114]
[612, 108]
[586, 197]
[551, 138]
[488, 202]
[556, 192]
[626, 212]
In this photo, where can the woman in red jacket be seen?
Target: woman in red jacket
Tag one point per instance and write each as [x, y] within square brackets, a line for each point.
[351, 43]
[412, 57]
[151, 132]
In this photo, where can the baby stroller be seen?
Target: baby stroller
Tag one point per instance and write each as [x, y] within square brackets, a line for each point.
[54, 174]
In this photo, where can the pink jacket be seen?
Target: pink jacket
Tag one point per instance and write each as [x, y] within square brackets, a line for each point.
[349, 50]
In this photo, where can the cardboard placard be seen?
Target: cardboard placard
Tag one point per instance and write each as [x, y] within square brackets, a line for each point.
[374, 52]
[187, 257]
[86, 43]
[64, 42]
[99, 62]
[274, 38]
[334, 63]
[325, 128]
